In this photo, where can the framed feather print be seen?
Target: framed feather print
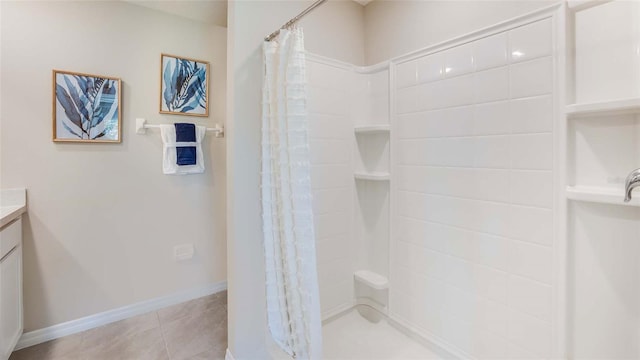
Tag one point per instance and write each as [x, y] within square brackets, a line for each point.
[184, 86]
[86, 108]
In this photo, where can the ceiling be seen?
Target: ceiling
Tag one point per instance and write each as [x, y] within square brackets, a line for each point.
[206, 11]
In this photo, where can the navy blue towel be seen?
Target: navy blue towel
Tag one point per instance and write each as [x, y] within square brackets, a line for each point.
[186, 155]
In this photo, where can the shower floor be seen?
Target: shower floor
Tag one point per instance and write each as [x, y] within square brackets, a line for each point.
[353, 337]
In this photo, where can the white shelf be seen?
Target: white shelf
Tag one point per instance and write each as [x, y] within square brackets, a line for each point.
[372, 129]
[604, 108]
[371, 279]
[601, 195]
[379, 176]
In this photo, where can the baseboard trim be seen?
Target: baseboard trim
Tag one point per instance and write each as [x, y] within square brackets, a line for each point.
[92, 321]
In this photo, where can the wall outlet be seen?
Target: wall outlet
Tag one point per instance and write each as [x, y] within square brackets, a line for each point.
[183, 252]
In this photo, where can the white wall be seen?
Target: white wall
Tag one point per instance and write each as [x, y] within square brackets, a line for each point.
[394, 28]
[249, 22]
[103, 219]
[472, 260]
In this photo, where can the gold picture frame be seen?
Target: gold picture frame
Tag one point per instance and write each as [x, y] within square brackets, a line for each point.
[184, 86]
[86, 108]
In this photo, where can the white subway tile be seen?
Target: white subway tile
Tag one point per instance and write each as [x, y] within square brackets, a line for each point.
[436, 180]
[449, 210]
[457, 121]
[460, 274]
[492, 218]
[531, 115]
[406, 100]
[430, 68]
[459, 304]
[530, 297]
[491, 152]
[329, 151]
[331, 200]
[491, 250]
[492, 119]
[530, 333]
[532, 151]
[530, 41]
[458, 60]
[453, 152]
[330, 176]
[412, 152]
[412, 126]
[490, 52]
[406, 74]
[491, 85]
[330, 249]
[491, 283]
[459, 242]
[530, 260]
[531, 224]
[534, 188]
[495, 317]
[489, 184]
[455, 91]
[531, 78]
[331, 224]
[421, 233]
[426, 97]
[431, 263]
[411, 205]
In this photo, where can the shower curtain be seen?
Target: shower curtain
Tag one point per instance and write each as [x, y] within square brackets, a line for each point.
[293, 309]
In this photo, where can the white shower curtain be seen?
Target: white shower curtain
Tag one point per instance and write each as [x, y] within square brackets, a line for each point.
[293, 308]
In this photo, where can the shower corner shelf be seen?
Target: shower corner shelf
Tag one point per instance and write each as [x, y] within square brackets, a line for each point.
[375, 281]
[602, 195]
[614, 107]
[372, 129]
[377, 176]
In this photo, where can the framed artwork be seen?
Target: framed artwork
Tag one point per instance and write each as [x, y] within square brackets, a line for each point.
[86, 108]
[184, 86]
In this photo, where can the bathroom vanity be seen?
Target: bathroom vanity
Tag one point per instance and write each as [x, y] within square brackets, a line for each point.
[12, 207]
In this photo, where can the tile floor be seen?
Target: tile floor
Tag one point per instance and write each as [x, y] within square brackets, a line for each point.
[193, 330]
[353, 337]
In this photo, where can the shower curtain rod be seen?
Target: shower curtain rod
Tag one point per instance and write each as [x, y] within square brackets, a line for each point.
[295, 19]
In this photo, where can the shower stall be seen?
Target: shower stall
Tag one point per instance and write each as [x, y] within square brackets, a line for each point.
[468, 197]
[433, 186]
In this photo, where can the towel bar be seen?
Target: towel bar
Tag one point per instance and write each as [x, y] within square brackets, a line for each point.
[142, 126]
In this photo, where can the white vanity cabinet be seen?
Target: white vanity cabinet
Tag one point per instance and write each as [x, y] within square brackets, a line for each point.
[11, 325]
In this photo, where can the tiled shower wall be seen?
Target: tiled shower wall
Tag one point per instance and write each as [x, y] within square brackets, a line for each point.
[472, 260]
[331, 142]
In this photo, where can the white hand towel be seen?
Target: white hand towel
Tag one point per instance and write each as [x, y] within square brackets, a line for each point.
[169, 156]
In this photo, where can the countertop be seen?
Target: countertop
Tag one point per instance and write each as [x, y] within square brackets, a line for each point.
[13, 203]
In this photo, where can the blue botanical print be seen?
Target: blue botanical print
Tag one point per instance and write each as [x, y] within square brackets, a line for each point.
[90, 106]
[184, 86]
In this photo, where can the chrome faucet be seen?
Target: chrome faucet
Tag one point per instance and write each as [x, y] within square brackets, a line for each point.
[633, 181]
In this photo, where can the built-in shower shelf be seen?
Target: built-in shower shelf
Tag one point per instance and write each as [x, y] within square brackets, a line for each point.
[377, 176]
[614, 107]
[372, 129]
[601, 195]
[373, 280]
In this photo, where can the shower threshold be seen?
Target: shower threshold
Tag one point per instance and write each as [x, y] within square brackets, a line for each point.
[351, 336]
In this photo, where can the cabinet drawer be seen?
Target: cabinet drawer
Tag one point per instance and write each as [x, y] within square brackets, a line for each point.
[10, 236]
